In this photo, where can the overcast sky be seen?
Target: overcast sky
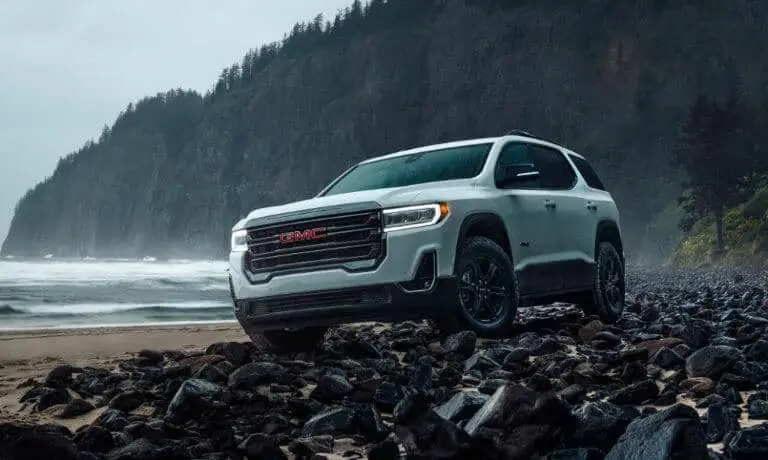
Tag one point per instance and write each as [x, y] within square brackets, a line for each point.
[67, 67]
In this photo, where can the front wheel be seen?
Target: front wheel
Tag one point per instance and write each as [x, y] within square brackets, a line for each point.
[487, 294]
[288, 341]
[607, 299]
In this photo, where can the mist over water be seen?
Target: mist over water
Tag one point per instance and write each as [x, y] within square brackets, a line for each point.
[71, 293]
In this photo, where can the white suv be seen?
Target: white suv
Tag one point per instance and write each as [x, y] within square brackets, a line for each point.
[461, 233]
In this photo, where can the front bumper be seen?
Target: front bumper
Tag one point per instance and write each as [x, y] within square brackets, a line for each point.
[335, 295]
[388, 302]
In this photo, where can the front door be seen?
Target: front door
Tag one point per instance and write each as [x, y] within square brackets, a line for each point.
[533, 214]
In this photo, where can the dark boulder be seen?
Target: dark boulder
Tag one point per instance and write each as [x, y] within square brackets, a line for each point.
[37, 444]
[193, 397]
[711, 361]
[674, 433]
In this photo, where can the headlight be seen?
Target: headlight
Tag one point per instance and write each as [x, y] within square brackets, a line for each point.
[239, 243]
[414, 216]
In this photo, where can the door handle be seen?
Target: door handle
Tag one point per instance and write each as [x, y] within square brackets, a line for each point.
[591, 206]
[549, 204]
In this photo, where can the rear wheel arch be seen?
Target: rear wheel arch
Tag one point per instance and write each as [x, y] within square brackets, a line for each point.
[608, 231]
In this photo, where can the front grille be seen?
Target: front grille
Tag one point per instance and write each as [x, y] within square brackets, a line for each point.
[345, 238]
[323, 299]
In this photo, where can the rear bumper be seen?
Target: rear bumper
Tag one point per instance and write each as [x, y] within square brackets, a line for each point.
[383, 302]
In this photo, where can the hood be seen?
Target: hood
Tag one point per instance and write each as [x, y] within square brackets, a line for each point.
[385, 198]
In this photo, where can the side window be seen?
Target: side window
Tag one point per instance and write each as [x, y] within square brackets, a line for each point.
[515, 155]
[554, 170]
[586, 171]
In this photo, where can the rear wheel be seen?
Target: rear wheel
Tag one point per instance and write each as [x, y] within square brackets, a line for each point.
[288, 341]
[487, 296]
[607, 299]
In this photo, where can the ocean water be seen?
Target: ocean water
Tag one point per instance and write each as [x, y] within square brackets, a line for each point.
[46, 293]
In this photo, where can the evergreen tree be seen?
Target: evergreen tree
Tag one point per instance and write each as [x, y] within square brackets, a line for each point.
[715, 157]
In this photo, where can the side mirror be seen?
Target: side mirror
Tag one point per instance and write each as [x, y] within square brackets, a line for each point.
[517, 174]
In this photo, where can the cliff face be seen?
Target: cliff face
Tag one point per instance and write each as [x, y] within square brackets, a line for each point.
[609, 80]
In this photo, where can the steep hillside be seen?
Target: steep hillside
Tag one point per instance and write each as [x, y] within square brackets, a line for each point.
[746, 237]
[613, 80]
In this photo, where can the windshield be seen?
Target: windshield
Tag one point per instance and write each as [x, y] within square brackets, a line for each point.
[417, 168]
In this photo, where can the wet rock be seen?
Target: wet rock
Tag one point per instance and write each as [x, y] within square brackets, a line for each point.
[333, 422]
[331, 388]
[196, 362]
[113, 420]
[748, 443]
[192, 397]
[507, 400]
[424, 434]
[262, 446]
[601, 424]
[637, 393]
[140, 449]
[151, 357]
[462, 405]
[534, 430]
[667, 359]
[94, 439]
[489, 386]
[252, 375]
[462, 343]
[35, 443]
[48, 397]
[698, 386]
[61, 376]
[653, 346]
[388, 395]
[127, 401]
[720, 420]
[711, 361]
[212, 374]
[481, 363]
[369, 422]
[307, 447]
[234, 352]
[673, 433]
[589, 331]
[76, 408]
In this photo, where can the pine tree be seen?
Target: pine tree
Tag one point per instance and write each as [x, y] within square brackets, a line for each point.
[716, 159]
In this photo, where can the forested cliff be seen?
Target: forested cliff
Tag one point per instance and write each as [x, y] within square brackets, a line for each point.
[611, 79]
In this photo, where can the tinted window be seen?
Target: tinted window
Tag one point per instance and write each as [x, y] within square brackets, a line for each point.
[586, 171]
[418, 168]
[512, 155]
[554, 170]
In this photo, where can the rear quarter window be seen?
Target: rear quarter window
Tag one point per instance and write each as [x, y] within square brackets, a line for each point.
[586, 171]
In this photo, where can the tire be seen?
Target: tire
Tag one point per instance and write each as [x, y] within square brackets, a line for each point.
[283, 341]
[484, 304]
[607, 297]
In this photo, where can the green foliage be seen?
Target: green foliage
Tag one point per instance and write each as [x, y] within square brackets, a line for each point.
[756, 207]
[745, 231]
[715, 153]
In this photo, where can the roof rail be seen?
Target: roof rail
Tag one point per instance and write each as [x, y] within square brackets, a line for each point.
[520, 132]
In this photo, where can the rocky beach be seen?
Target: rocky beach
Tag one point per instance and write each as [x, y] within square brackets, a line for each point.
[681, 376]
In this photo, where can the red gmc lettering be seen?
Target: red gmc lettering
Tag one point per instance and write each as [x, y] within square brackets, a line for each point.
[309, 234]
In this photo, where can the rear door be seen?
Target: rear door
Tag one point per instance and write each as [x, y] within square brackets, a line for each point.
[596, 203]
[531, 211]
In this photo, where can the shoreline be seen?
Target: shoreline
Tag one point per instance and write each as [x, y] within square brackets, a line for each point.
[69, 345]
[158, 324]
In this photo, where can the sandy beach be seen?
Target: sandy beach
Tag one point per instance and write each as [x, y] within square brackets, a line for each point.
[32, 354]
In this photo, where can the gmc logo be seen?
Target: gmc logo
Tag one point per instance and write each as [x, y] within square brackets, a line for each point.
[309, 234]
